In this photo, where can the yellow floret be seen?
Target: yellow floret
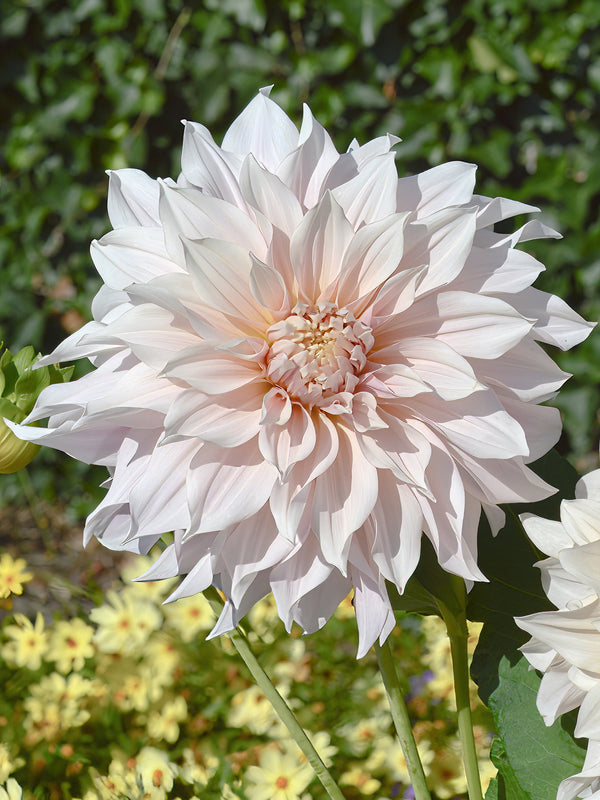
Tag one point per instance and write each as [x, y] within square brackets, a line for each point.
[278, 776]
[29, 642]
[163, 724]
[189, 616]
[13, 574]
[70, 644]
[7, 763]
[124, 624]
[12, 791]
[360, 779]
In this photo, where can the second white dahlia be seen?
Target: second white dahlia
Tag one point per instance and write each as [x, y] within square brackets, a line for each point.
[303, 363]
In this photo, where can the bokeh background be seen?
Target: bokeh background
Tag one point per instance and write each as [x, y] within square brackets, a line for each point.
[90, 85]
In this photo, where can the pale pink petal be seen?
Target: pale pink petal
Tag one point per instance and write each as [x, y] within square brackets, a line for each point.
[212, 371]
[435, 189]
[131, 255]
[285, 445]
[227, 485]
[205, 165]
[371, 195]
[264, 130]
[317, 247]
[132, 199]
[268, 194]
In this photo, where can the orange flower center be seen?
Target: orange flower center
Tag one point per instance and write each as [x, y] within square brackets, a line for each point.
[281, 782]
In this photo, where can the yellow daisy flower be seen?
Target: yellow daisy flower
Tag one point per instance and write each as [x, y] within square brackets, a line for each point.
[13, 574]
[29, 642]
[70, 644]
[163, 724]
[278, 776]
[124, 623]
[189, 615]
[12, 791]
[7, 763]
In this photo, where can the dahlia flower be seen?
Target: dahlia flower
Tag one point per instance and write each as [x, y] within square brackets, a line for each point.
[303, 363]
[565, 643]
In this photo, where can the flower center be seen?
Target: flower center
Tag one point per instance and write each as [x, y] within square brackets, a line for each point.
[317, 352]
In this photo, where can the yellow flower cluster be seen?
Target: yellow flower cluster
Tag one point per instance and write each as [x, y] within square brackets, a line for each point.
[130, 662]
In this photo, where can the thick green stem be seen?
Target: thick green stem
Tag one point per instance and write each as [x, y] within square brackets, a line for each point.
[460, 667]
[402, 721]
[281, 708]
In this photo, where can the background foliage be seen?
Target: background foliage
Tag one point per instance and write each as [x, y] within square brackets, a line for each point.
[90, 85]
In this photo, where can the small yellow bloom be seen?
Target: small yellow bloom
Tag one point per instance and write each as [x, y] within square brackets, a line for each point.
[250, 709]
[163, 724]
[125, 625]
[189, 616]
[150, 591]
[278, 776]
[12, 791]
[29, 642]
[362, 735]
[446, 773]
[7, 763]
[360, 779]
[388, 757]
[199, 765]
[13, 574]
[155, 770]
[70, 644]
[162, 657]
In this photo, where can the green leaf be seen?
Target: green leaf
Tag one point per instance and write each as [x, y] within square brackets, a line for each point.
[532, 758]
[505, 786]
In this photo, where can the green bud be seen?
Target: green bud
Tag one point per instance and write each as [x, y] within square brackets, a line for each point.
[20, 386]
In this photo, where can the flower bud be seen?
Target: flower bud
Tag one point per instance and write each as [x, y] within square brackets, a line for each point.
[20, 385]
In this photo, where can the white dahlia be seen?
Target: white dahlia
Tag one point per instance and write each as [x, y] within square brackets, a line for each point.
[303, 363]
[565, 643]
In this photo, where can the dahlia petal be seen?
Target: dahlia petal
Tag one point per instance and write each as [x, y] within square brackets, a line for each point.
[227, 420]
[220, 274]
[232, 614]
[569, 632]
[400, 448]
[364, 413]
[317, 247]
[372, 256]
[305, 169]
[205, 165]
[581, 519]
[396, 295]
[268, 287]
[506, 481]
[437, 364]
[147, 330]
[226, 485]
[276, 407]
[264, 130]
[498, 209]
[212, 371]
[292, 498]
[268, 194]
[285, 445]
[374, 614]
[344, 497]
[525, 371]
[197, 580]
[132, 199]
[317, 606]
[371, 195]
[588, 719]
[474, 325]
[394, 381]
[582, 562]
[497, 270]
[131, 255]
[158, 499]
[398, 523]
[189, 214]
[555, 323]
[541, 424]
[547, 535]
[477, 424]
[443, 241]
[437, 188]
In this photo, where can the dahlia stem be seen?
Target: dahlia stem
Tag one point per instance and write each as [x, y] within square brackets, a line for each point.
[460, 668]
[281, 708]
[402, 721]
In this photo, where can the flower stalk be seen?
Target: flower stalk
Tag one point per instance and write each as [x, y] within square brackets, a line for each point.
[401, 720]
[460, 668]
[281, 708]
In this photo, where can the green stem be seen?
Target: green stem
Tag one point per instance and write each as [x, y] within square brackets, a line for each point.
[402, 721]
[240, 642]
[460, 667]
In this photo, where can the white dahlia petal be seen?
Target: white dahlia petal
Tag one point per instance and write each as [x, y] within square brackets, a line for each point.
[303, 364]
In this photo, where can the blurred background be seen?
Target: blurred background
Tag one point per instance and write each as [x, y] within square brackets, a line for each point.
[90, 85]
